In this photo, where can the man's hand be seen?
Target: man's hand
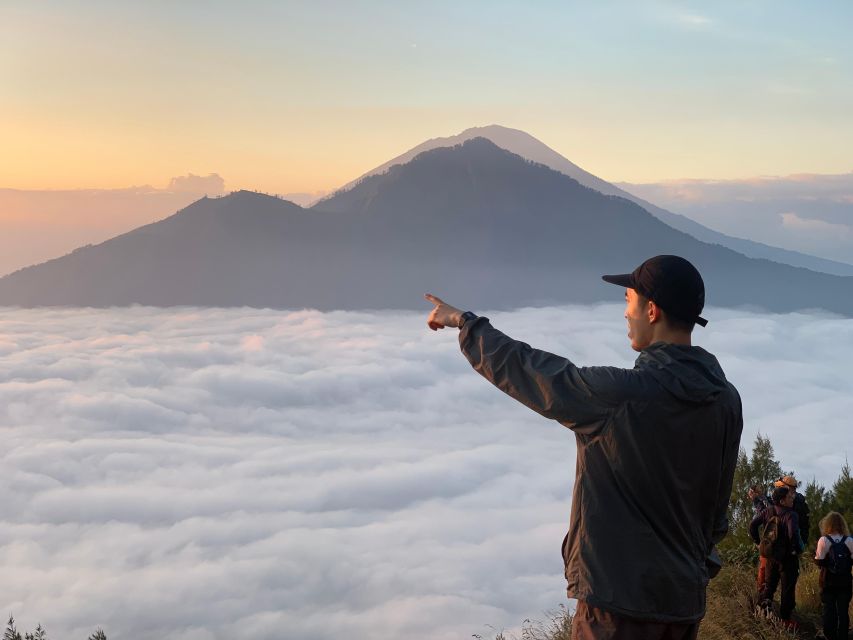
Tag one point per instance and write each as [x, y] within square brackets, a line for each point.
[443, 315]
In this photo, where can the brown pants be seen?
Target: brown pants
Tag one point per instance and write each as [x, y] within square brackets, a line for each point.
[590, 623]
[762, 573]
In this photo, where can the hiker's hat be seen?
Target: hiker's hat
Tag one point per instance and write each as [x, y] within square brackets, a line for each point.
[671, 282]
[786, 481]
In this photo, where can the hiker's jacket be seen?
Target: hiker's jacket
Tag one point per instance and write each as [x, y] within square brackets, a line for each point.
[760, 503]
[656, 452]
[789, 521]
[801, 508]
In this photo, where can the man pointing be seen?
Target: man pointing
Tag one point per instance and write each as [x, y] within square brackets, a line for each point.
[656, 451]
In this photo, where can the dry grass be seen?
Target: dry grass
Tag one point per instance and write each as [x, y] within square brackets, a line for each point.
[730, 611]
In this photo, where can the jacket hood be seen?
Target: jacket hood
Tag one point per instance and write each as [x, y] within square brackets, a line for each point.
[689, 373]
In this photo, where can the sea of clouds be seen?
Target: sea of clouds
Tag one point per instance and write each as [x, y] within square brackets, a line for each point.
[202, 474]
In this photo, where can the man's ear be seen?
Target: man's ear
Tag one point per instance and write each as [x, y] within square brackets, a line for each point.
[654, 311]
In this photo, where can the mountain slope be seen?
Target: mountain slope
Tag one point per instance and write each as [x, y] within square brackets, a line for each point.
[241, 249]
[528, 147]
[476, 223]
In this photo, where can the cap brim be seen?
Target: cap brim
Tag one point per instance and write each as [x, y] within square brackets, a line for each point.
[622, 280]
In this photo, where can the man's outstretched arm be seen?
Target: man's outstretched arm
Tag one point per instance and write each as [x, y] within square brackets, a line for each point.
[581, 398]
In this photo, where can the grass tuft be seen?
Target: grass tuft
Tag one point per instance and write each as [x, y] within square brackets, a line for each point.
[731, 612]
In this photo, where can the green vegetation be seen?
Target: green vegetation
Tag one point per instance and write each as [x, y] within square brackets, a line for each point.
[763, 468]
[12, 633]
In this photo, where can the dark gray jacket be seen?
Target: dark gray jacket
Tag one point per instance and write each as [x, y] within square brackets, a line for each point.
[656, 452]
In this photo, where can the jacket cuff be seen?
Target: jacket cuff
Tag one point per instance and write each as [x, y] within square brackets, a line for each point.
[471, 326]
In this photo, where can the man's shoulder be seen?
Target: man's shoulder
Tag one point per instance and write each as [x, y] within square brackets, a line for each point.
[761, 503]
[618, 381]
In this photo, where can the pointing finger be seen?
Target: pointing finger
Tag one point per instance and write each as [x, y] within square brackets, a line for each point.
[433, 299]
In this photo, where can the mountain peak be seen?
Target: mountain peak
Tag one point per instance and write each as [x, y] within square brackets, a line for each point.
[494, 130]
[475, 221]
[514, 140]
[245, 198]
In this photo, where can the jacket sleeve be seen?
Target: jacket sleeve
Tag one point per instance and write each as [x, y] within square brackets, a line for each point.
[803, 515]
[580, 398]
[731, 448]
[820, 552]
[794, 533]
[753, 527]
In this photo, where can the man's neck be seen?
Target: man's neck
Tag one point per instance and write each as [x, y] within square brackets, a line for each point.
[661, 333]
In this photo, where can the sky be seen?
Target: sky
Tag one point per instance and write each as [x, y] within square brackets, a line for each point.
[303, 97]
[203, 474]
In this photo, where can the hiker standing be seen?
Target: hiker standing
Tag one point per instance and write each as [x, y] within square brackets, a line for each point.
[800, 505]
[776, 532]
[833, 556]
[656, 452]
[760, 502]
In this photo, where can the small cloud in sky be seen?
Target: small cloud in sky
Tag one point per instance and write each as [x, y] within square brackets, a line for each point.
[788, 89]
[694, 20]
[211, 184]
[792, 220]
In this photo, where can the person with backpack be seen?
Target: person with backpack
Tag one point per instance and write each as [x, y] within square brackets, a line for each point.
[760, 501]
[833, 556]
[776, 531]
[800, 505]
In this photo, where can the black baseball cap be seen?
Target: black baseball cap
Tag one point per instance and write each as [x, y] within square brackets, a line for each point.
[671, 282]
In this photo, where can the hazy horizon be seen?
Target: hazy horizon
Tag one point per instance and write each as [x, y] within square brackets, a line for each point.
[42, 224]
[803, 212]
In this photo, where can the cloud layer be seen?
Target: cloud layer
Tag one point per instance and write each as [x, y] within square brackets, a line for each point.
[205, 474]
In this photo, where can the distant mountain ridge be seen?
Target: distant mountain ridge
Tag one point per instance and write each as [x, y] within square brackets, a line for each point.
[525, 145]
[476, 223]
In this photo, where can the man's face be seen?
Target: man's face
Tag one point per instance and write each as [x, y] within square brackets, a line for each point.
[789, 499]
[636, 313]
